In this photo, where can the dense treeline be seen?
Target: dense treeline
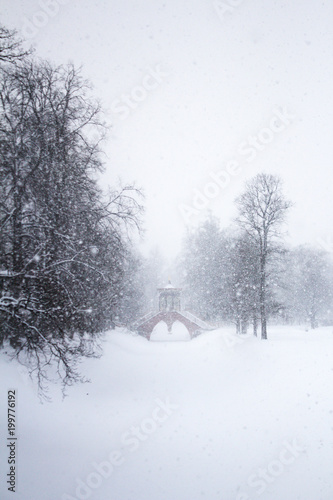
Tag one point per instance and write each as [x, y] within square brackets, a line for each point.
[65, 257]
[246, 275]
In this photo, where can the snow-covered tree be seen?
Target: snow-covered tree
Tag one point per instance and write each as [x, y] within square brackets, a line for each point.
[203, 263]
[132, 303]
[308, 286]
[62, 241]
[262, 210]
[243, 283]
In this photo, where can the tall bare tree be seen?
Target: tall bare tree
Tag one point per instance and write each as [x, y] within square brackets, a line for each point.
[262, 211]
[62, 242]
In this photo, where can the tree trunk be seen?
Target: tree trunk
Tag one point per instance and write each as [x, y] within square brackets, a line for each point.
[255, 324]
[264, 327]
[244, 327]
[263, 317]
[313, 320]
[313, 316]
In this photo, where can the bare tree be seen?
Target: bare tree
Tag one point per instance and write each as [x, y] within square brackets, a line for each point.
[62, 242]
[262, 210]
[11, 48]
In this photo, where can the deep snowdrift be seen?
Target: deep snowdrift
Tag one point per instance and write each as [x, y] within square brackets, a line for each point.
[217, 418]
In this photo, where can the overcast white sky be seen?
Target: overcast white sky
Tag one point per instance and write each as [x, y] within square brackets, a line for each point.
[220, 77]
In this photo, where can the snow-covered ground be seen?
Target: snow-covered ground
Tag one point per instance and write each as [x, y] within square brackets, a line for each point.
[217, 418]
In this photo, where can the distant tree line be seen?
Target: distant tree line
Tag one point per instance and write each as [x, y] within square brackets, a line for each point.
[246, 275]
[65, 257]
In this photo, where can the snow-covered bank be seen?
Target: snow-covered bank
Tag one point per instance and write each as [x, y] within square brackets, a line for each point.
[217, 418]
